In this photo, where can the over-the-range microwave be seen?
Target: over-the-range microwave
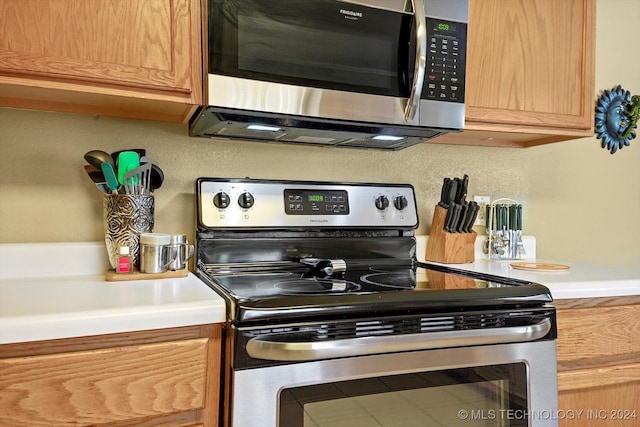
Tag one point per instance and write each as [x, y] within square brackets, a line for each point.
[370, 73]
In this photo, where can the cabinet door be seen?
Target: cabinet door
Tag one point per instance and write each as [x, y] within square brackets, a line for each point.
[530, 71]
[100, 54]
[599, 363]
[531, 63]
[118, 380]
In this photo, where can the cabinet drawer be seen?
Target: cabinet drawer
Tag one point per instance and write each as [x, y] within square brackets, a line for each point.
[598, 336]
[102, 386]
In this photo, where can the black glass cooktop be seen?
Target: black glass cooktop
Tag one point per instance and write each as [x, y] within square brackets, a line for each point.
[259, 285]
[269, 296]
[244, 284]
[286, 279]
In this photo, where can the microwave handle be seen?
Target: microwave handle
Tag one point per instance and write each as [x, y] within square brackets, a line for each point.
[421, 60]
[263, 348]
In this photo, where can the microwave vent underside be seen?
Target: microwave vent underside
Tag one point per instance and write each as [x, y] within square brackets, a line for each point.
[210, 123]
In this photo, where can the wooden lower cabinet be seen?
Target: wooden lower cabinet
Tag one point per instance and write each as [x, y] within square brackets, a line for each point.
[599, 362]
[152, 378]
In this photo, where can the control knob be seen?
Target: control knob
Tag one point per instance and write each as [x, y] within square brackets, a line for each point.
[400, 202]
[221, 200]
[382, 202]
[246, 200]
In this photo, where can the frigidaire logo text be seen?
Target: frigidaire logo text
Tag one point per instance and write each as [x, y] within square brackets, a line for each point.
[351, 13]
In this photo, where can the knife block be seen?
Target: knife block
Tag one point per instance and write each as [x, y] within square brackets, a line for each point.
[449, 248]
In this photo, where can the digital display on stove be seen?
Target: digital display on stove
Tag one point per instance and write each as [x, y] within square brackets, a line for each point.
[316, 202]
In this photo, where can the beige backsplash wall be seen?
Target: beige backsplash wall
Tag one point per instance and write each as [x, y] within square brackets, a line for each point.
[581, 203]
[45, 186]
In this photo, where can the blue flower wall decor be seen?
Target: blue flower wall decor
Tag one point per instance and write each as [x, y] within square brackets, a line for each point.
[616, 118]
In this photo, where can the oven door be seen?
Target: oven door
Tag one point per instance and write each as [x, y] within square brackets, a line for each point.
[491, 385]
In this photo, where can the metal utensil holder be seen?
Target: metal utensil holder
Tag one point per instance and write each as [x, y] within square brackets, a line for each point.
[504, 230]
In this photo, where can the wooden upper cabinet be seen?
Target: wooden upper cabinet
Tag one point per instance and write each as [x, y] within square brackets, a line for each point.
[138, 59]
[530, 72]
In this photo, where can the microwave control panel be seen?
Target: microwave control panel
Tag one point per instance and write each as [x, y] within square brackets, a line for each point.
[446, 60]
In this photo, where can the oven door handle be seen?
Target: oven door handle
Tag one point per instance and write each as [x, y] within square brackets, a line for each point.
[421, 60]
[290, 351]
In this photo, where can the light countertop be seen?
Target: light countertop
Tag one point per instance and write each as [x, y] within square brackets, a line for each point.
[579, 281]
[58, 290]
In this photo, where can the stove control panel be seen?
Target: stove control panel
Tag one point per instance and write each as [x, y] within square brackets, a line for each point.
[247, 203]
[316, 202]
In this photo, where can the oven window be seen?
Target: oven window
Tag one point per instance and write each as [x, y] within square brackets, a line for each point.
[479, 396]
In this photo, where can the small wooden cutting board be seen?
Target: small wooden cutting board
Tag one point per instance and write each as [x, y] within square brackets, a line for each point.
[112, 276]
[539, 266]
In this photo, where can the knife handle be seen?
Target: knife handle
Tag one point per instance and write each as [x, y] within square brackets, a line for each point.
[519, 216]
[444, 192]
[462, 221]
[447, 219]
[463, 183]
[452, 224]
[453, 191]
[472, 212]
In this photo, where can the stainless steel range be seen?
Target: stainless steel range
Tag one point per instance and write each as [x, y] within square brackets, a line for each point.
[332, 321]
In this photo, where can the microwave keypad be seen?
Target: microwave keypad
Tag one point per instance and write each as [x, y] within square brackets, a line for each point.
[446, 58]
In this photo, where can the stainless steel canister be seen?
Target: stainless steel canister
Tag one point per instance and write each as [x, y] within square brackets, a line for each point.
[156, 253]
[184, 250]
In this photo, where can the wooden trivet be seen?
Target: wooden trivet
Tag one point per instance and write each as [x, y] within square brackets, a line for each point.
[539, 266]
[112, 276]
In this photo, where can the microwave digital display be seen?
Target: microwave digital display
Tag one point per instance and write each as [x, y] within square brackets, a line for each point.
[444, 26]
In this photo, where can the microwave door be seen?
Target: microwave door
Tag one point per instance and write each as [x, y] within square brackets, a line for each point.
[322, 45]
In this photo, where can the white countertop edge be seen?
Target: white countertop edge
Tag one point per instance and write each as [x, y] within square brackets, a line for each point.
[21, 329]
[580, 281]
[619, 288]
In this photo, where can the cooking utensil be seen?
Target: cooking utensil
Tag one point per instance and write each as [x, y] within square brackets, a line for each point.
[138, 180]
[103, 187]
[110, 177]
[127, 160]
[520, 251]
[145, 159]
[94, 173]
[97, 157]
[141, 153]
[157, 177]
